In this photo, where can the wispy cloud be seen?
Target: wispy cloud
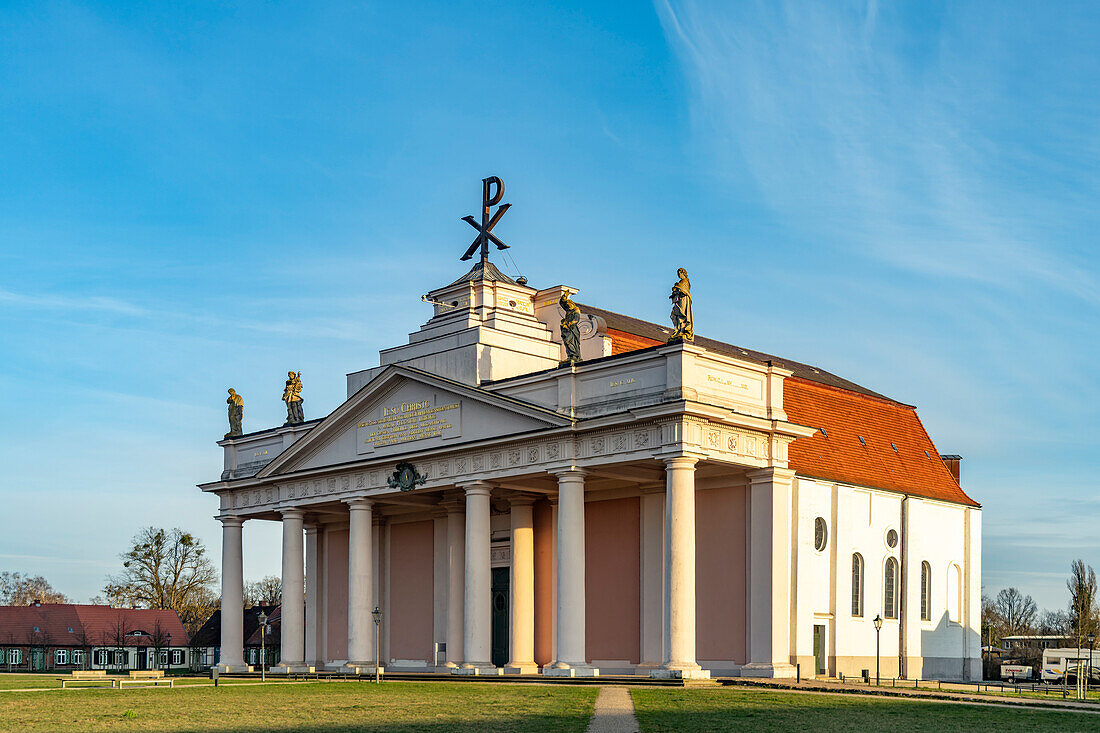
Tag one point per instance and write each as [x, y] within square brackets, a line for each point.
[70, 303]
[867, 135]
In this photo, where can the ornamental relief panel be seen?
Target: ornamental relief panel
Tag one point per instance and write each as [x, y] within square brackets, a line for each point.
[529, 455]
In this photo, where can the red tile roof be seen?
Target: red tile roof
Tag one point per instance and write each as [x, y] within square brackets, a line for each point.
[838, 455]
[65, 624]
[845, 410]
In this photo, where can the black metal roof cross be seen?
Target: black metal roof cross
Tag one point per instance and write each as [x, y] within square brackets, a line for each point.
[489, 199]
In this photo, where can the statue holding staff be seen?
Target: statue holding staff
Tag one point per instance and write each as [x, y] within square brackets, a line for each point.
[236, 413]
[681, 309]
[292, 396]
[570, 329]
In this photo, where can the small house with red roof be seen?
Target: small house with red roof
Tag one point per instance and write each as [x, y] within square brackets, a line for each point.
[67, 636]
[514, 492]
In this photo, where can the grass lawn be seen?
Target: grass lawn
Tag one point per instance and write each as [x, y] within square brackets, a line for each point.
[662, 709]
[319, 706]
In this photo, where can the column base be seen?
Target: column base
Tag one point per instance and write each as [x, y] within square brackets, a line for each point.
[365, 668]
[480, 669]
[697, 673]
[577, 670]
[292, 669]
[521, 668]
[231, 668]
[767, 669]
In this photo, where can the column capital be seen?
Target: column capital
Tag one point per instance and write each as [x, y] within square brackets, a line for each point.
[293, 512]
[476, 488]
[453, 504]
[681, 460]
[569, 473]
[359, 502]
[314, 528]
[230, 520]
[771, 475]
[521, 500]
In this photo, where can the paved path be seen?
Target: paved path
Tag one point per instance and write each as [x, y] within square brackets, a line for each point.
[614, 712]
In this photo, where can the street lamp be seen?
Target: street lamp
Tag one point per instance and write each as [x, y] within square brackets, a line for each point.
[878, 628]
[263, 647]
[1088, 670]
[377, 613]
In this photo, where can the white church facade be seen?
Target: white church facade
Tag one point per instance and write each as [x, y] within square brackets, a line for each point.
[675, 509]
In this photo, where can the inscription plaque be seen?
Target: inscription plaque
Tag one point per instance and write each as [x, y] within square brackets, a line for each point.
[407, 422]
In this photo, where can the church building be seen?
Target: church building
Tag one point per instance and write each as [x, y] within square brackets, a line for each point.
[533, 486]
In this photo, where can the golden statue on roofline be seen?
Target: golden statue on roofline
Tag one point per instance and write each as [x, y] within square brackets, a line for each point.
[292, 396]
[681, 309]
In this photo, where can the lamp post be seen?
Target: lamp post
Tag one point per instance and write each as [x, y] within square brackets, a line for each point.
[377, 614]
[878, 628]
[1088, 670]
[263, 647]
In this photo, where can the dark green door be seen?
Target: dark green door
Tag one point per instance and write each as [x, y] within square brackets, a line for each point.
[500, 616]
[819, 649]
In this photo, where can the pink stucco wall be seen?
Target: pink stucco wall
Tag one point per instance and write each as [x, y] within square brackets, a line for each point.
[336, 593]
[720, 574]
[411, 584]
[612, 579]
[544, 582]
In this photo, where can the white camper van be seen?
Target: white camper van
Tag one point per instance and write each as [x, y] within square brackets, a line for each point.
[1057, 661]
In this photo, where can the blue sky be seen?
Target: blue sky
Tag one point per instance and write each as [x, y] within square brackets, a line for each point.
[196, 197]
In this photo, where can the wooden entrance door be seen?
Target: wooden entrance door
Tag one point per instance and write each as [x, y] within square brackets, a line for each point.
[501, 584]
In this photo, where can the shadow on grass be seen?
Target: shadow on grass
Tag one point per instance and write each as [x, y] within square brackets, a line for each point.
[536, 723]
[717, 710]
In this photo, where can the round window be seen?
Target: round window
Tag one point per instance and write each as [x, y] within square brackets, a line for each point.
[821, 534]
[892, 539]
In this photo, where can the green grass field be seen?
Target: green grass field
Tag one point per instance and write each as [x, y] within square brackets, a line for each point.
[663, 709]
[51, 681]
[326, 706]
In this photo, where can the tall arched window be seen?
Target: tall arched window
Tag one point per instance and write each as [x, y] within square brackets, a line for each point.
[890, 589]
[925, 591]
[857, 584]
[954, 586]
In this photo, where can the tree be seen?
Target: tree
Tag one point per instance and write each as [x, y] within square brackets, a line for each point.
[1052, 623]
[1082, 614]
[17, 589]
[268, 591]
[166, 569]
[1016, 612]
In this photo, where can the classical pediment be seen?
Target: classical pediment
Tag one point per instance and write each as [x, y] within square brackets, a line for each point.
[405, 411]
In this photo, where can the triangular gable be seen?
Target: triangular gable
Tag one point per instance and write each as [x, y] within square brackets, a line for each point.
[405, 411]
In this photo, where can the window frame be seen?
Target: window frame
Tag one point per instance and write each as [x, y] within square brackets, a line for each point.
[61, 657]
[15, 656]
[925, 591]
[177, 656]
[890, 589]
[820, 523]
[858, 566]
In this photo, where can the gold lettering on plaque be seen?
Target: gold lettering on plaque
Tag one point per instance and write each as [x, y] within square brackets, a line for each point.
[726, 381]
[621, 382]
[407, 422]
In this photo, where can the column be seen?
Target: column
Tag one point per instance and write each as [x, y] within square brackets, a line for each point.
[770, 574]
[456, 581]
[360, 588]
[679, 586]
[314, 596]
[232, 642]
[477, 630]
[571, 660]
[653, 576]
[292, 622]
[522, 637]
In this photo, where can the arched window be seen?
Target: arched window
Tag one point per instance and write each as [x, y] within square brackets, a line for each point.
[821, 534]
[890, 589]
[925, 591]
[954, 586]
[857, 584]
